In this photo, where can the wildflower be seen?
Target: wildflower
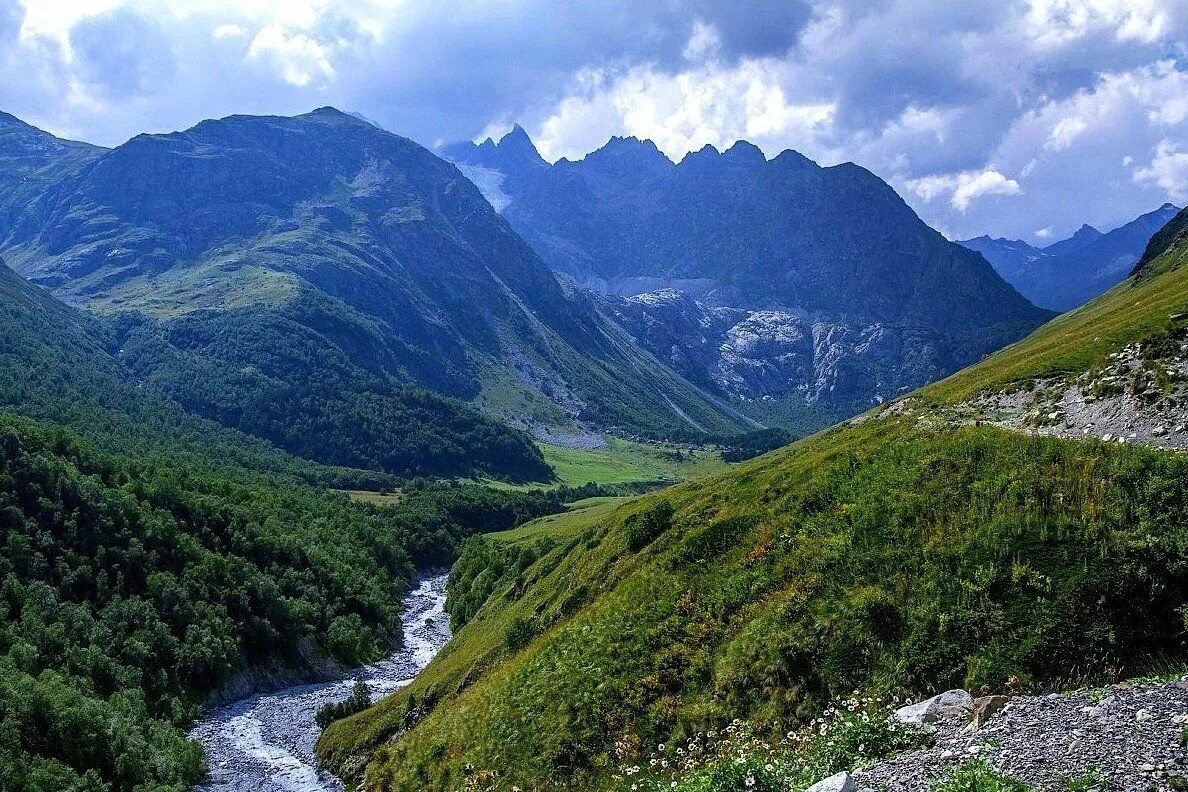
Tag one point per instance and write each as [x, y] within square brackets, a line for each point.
[750, 781]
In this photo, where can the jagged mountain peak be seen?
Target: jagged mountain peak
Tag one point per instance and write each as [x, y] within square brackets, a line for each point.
[745, 151]
[517, 143]
[621, 147]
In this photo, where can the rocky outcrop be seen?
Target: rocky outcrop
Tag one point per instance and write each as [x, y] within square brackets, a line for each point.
[770, 354]
[840, 782]
[950, 704]
[1139, 396]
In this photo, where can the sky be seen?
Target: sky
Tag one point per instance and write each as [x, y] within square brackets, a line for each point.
[1017, 118]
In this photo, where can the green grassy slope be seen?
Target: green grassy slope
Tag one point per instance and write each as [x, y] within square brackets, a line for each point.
[883, 556]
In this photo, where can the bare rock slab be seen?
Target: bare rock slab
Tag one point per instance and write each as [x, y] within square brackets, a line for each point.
[950, 704]
[842, 782]
[985, 706]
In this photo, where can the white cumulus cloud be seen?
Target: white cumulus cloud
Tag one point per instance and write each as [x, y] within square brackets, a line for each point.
[1168, 170]
[963, 188]
[301, 59]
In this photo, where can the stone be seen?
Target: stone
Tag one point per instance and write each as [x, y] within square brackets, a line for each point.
[951, 703]
[985, 706]
[842, 782]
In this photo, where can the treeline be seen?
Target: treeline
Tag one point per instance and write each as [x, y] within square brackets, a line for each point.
[740, 447]
[129, 592]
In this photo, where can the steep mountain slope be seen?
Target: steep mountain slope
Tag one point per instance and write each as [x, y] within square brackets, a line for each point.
[123, 385]
[368, 261]
[30, 160]
[1072, 271]
[148, 556]
[910, 550]
[855, 296]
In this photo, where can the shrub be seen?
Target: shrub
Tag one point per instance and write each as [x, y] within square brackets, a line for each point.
[642, 528]
[977, 776]
[359, 700]
[519, 634]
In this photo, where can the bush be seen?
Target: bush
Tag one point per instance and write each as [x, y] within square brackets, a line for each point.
[978, 776]
[359, 700]
[519, 634]
[642, 528]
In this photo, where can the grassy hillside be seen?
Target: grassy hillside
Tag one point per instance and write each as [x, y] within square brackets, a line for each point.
[884, 556]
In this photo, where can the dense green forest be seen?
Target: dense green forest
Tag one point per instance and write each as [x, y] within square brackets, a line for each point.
[291, 382]
[130, 591]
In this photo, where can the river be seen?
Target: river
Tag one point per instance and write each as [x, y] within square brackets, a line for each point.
[265, 743]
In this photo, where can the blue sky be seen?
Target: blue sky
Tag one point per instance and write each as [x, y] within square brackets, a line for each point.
[1019, 118]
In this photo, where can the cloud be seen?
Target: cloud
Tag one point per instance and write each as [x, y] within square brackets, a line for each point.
[301, 59]
[703, 44]
[229, 31]
[709, 103]
[964, 188]
[1044, 233]
[1050, 95]
[1168, 169]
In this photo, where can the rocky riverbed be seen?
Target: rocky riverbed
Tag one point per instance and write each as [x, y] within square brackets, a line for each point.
[265, 743]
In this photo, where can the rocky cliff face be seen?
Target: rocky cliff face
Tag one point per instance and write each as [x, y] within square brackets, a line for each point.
[815, 284]
[777, 355]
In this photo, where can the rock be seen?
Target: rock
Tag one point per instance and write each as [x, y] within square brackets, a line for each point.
[985, 706]
[951, 703]
[842, 782]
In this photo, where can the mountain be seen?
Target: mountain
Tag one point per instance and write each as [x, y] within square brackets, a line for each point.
[1072, 271]
[320, 272]
[126, 385]
[920, 547]
[812, 285]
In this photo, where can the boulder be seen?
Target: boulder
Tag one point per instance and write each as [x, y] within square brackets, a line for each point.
[985, 706]
[950, 704]
[842, 782]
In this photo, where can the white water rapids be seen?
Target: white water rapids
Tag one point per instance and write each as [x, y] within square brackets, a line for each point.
[265, 743]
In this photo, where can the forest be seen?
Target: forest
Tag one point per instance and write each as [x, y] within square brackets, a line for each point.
[131, 591]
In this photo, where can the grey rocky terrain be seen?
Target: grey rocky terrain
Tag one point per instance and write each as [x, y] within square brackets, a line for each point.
[1125, 737]
[1139, 396]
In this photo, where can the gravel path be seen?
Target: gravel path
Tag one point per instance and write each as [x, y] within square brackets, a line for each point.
[265, 743]
[1132, 734]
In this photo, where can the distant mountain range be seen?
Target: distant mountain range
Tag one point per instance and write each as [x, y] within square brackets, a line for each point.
[301, 278]
[768, 280]
[1073, 271]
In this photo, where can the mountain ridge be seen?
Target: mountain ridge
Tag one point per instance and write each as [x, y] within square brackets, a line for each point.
[834, 251]
[1069, 272]
[304, 224]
